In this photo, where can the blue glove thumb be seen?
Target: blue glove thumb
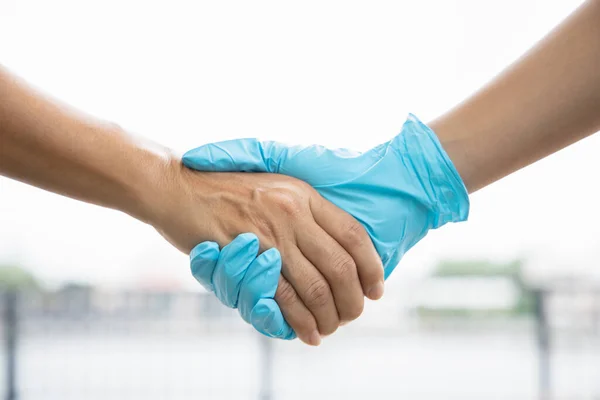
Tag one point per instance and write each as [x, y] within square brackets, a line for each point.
[251, 155]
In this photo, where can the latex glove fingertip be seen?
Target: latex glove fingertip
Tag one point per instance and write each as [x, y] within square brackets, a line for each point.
[203, 260]
[231, 267]
[266, 318]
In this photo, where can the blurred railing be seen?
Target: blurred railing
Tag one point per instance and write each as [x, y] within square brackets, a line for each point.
[79, 343]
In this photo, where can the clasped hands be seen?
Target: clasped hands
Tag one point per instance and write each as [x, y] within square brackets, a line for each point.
[296, 254]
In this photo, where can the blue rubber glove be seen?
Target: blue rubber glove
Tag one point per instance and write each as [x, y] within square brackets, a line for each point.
[398, 190]
[242, 279]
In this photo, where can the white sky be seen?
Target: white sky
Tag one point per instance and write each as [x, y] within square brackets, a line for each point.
[339, 73]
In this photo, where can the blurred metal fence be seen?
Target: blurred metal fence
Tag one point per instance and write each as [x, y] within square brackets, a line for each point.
[568, 327]
[83, 344]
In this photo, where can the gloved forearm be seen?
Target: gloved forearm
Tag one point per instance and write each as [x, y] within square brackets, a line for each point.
[547, 100]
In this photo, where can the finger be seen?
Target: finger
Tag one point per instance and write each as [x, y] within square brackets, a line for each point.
[231, 155]
[260, 281]
[349, 233]
[231, 267]
[266, 317]
[203, 260]
[296, 313]
[256, 304]
[313, 289]
[336, 265]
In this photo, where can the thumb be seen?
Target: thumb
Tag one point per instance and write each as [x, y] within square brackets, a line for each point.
[240, 155]
[316, 165]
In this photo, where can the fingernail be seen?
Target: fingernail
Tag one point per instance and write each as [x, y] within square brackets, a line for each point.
[315, 339]
[376, 292]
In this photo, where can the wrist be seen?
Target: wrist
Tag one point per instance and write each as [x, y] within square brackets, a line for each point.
[446, 191]
[174, 200]
[454, 144]
[150, 181]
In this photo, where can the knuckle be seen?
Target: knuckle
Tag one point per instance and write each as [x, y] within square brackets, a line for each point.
[285, 293]
[318, 294]
[342, 265]
[354, 234]
[286, 201]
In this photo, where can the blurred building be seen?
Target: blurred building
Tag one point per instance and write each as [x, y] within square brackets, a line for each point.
[474, 289]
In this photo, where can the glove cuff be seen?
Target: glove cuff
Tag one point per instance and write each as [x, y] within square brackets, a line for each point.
[444, 187]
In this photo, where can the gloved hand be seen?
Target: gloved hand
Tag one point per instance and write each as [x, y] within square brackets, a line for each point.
[244, 281]
[398, 190]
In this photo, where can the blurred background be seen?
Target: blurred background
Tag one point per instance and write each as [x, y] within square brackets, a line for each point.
[95, 305]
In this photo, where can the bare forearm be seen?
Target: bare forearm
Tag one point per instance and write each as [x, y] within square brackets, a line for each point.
[546, 101]
[49, 145]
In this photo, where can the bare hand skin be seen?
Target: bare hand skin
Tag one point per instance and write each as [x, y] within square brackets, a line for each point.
[324, 250]
[545, 101]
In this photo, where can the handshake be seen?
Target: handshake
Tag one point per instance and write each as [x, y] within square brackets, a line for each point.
[302, 234]
[295, 237]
